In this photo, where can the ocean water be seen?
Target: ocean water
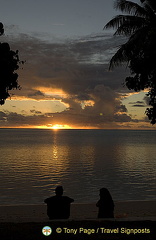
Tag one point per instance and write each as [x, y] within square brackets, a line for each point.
[34, 161]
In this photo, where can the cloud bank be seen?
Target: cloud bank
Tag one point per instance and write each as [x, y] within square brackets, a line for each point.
[75, 72]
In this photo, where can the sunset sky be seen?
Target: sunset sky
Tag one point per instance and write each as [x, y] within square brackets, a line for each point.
[65, 82]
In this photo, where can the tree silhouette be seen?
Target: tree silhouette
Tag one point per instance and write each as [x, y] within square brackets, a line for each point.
[9, 63]
[139, 52]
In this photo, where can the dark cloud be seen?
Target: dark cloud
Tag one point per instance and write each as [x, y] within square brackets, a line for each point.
[36, 94]
[15, 119]
[106, 110]
[73, 66]
[2, 116]
[80, 69]
[35, 112]
[138, 104]
[121, 108]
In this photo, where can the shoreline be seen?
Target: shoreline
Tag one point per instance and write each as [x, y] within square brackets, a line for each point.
[145, 210]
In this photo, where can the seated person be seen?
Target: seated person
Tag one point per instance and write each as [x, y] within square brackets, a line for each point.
[105, 204]
[58, 206]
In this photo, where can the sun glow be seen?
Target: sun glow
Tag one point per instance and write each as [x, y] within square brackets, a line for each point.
[55, 126]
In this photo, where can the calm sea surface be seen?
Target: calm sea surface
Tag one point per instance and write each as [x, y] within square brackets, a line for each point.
[34, 161]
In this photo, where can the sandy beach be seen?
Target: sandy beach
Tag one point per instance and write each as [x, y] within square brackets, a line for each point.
[79, 211]
[27, 221]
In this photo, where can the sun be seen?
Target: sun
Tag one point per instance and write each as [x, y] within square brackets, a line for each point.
[59, 126]
[56, 126]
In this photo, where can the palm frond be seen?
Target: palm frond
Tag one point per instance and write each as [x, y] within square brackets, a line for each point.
[150, 11]
[130, 7]
[125, 24]
[130, 27]
[151, 3]
[119, 57]
[131, 48]
[138, 26]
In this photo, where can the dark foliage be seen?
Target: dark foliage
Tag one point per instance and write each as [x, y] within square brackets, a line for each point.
[9, 63]
[139, 25]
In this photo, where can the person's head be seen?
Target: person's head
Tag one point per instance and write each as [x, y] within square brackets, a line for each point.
[104, 193]
[59, 191]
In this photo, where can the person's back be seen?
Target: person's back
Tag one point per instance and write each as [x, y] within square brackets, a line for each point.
[58, 207]
[105, 204]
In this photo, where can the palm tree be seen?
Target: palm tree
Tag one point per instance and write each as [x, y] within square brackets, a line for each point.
[139, 52]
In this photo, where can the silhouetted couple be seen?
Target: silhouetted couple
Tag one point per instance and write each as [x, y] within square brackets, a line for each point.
[58, 206]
